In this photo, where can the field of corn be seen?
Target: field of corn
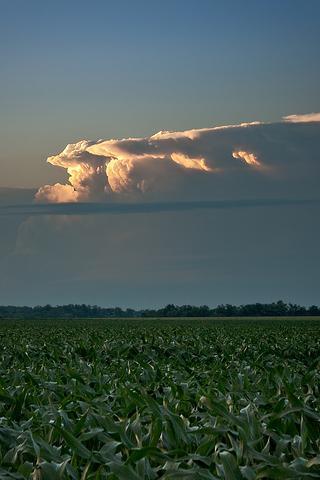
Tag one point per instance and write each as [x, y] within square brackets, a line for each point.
[160, 399]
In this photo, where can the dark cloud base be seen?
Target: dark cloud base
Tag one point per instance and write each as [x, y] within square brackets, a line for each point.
[156, 207]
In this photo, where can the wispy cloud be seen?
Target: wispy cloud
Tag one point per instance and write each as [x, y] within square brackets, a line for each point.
[303, 118]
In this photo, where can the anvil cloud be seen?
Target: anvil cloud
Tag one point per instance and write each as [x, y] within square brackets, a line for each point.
[248, 153]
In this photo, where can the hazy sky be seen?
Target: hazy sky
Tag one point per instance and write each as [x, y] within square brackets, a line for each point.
[104, 69]
[80, 70]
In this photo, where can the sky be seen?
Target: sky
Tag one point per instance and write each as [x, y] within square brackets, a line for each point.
[163, 105]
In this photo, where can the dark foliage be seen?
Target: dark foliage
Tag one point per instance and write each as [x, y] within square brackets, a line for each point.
[88, 311]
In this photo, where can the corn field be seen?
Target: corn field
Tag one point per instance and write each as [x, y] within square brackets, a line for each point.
[160, 399]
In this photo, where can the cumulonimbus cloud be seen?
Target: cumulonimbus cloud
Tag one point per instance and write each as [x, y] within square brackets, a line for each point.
[129, 167]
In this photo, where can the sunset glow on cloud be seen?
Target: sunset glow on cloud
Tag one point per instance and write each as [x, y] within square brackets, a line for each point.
[249, 158]
[135, 166]
[303, 118]
[187, 162]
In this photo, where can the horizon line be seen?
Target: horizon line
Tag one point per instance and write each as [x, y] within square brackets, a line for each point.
[99, 208]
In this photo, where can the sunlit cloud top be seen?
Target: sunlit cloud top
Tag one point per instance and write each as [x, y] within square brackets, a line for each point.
[307, 117]
[166, 161]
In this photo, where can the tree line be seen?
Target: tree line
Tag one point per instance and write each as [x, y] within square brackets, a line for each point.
[273, 309]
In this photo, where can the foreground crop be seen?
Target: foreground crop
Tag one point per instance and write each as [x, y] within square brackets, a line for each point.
[160, 399]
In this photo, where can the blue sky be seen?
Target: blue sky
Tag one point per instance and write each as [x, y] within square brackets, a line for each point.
[74, 70]
[102, 69]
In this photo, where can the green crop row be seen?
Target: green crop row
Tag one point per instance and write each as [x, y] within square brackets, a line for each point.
[160, 399]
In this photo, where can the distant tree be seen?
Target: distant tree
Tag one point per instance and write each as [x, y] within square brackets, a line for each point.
[278, 308]
[313, 310]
